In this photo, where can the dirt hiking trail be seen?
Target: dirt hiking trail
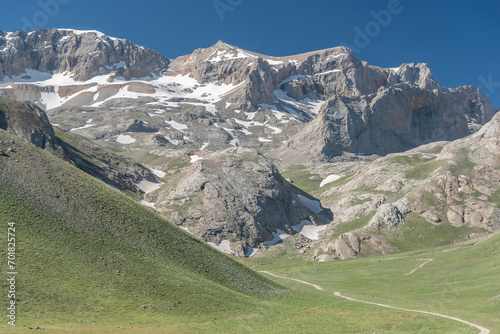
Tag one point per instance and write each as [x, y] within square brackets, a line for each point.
[482, 330]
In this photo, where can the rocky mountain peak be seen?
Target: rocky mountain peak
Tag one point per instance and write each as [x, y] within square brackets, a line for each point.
[419, 73]
[223, 45]
[237, 97]
[84, 54]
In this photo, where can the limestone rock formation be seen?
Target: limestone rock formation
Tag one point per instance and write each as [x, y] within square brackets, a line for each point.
[472, 179]
[84, 54]
[346, 246]
[390, 216]
[237, 196]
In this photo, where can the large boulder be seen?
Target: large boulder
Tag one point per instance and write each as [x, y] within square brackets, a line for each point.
[237, 196]
[390, 216]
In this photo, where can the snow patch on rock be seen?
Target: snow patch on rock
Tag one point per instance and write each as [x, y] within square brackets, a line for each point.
[329, 179]
[313, 205]
[308, 229]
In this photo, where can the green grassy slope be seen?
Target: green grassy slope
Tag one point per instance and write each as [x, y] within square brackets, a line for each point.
[460, 282]
[86, 252]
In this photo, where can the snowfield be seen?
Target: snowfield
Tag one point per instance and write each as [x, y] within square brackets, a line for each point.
[224, 246]
[158, 173]
[166, 87]
[148, 186]
[308, 230]
[329, 179]
[125, 139]
[278, 236]
[313, 205]
[195, 158]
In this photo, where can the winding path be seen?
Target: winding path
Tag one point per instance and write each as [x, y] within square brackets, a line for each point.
[317, 287]
[420, 266]
[482, 330]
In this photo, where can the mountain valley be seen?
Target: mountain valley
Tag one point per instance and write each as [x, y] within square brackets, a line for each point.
[120, 165]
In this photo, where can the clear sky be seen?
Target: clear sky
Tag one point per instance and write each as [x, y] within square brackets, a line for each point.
[460, 40]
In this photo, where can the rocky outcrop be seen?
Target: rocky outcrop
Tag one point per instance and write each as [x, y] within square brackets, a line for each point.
[140, 126]
[474, 105]
[420, 74]
[464, 194]
[390, 216]
[26, 120]
[236, 196]
[29, 122]
[84, 54]
[346, 246]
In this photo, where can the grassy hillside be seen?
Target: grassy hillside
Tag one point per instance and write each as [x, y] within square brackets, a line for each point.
[87, 253]
[113, 168]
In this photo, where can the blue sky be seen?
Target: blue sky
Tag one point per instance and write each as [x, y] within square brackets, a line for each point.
[460, 40]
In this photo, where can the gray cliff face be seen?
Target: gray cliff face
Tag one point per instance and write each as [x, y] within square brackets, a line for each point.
[337, 71]
[474, 105]
[395, 119]
[85, 55]
[419, 73]
[236, 195]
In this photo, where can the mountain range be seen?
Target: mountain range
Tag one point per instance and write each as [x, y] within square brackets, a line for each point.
[207, 135]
